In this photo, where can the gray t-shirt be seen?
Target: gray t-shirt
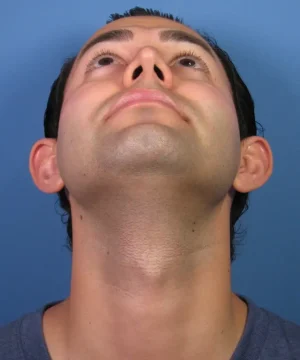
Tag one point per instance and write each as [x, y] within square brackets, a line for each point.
[266, 337]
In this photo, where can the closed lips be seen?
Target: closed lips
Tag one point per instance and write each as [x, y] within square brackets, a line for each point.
[138, 96]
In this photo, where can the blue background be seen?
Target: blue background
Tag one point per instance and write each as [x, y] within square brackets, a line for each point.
[262, 38]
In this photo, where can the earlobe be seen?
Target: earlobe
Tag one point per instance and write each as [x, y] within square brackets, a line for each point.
[43, 166]
[256, 164]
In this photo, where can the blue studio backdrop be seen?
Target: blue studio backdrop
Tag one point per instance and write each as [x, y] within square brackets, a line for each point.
[261, 36]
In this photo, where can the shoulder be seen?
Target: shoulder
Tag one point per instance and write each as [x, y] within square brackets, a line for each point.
[22, 339]
[10, 341]
[282, 335]
[267, 336]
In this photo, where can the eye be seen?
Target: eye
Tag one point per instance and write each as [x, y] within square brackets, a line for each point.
[191, 60]
[188, 62]
[101, 59]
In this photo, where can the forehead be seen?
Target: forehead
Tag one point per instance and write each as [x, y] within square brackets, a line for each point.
[143, 25]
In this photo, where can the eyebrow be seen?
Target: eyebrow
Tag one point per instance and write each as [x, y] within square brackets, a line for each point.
[125, 35]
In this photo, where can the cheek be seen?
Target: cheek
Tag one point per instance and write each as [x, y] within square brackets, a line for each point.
[216, 122]
[83, 101]
[77, 116]
[213, 106]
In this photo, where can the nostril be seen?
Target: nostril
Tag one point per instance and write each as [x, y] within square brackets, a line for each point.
[137, 72]
[159, 72]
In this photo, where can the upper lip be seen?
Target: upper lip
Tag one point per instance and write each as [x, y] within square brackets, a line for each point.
[141, 95]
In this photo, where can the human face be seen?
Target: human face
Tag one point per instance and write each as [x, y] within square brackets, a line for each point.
[199, 137]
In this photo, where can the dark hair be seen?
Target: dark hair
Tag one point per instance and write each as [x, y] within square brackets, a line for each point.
[242, 99]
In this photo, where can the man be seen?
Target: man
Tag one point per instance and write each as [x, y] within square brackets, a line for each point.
[151, 144]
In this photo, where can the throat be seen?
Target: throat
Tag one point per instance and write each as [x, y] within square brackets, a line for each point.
[158, 311]
[151, 325]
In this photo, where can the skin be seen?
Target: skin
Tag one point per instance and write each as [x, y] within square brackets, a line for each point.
[150, 196]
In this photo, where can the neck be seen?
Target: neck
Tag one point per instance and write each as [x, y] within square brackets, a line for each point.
[151, 284]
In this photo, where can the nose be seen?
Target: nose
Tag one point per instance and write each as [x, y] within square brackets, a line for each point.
[148, 69]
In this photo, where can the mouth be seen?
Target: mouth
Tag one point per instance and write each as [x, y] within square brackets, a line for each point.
[143, 96]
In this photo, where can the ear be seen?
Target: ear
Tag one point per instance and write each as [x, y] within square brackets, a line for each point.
[43, 166]
[256, 164]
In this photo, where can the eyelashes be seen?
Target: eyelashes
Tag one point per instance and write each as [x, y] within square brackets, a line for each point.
[189, 55]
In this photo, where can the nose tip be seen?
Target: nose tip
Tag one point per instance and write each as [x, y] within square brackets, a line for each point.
[148, 66]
